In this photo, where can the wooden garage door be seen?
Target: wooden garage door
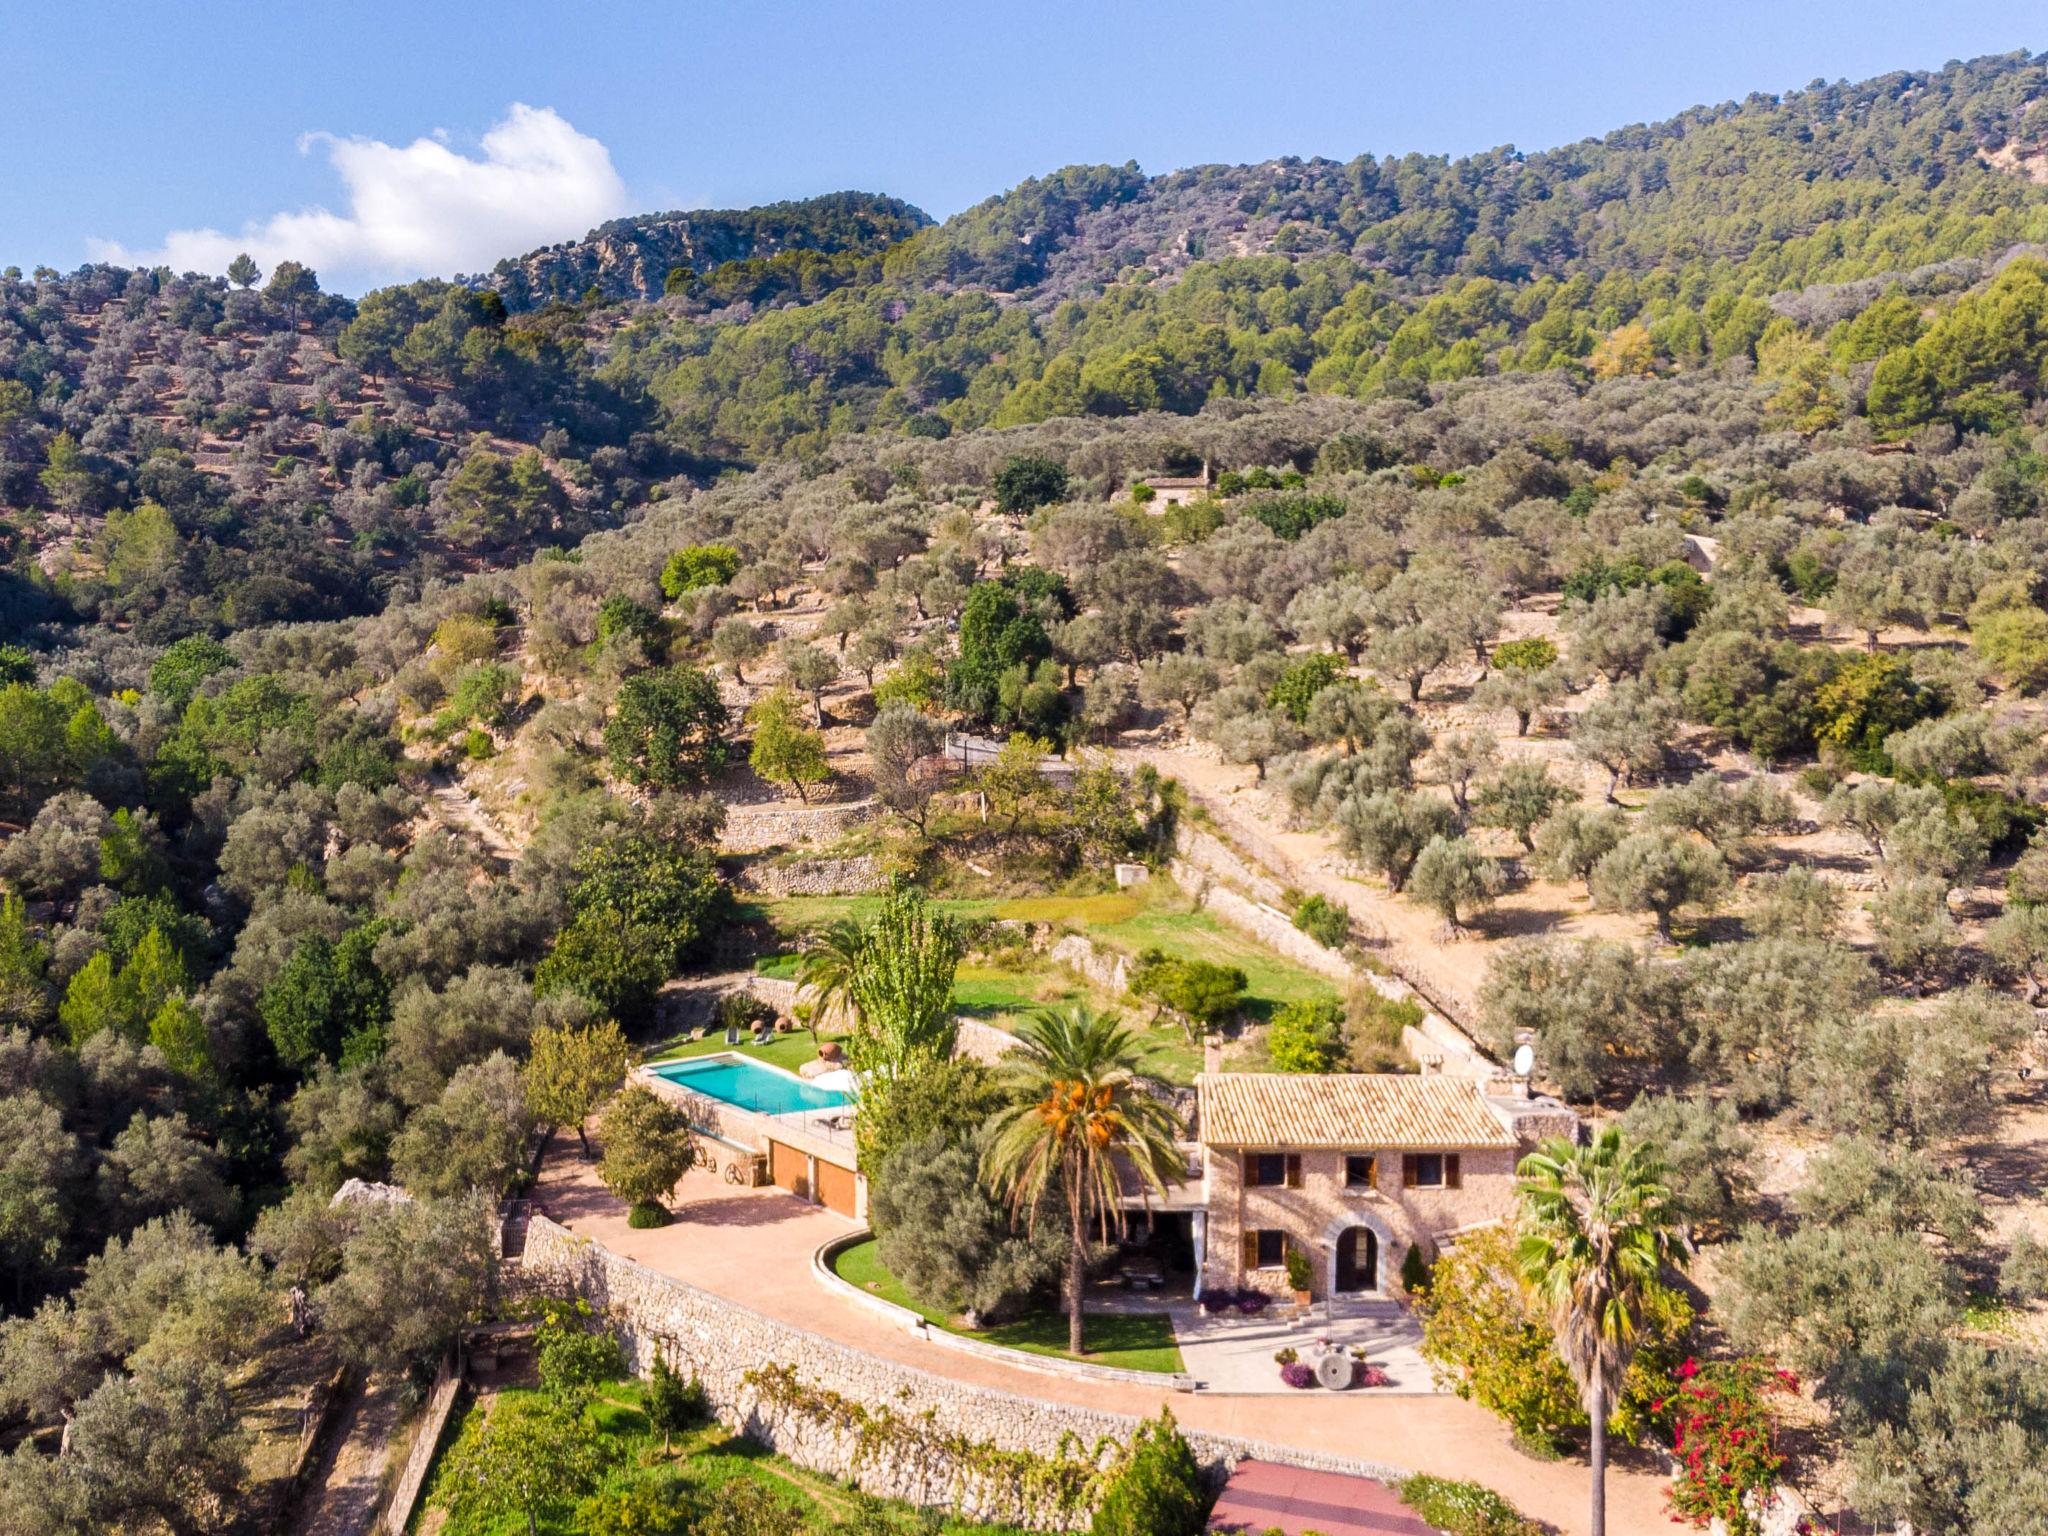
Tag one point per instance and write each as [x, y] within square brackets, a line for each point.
[836, 1187]
[789, 1169]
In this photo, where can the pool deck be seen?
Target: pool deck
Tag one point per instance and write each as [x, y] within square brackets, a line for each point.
[826, 1132]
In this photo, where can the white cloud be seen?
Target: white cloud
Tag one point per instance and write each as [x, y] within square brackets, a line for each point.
[420, 209]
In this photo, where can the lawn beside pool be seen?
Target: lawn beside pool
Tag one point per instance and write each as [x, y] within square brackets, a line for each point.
[788, 1051]
[1133, 1341]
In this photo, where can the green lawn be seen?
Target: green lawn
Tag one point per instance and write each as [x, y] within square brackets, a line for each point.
[791, 1050]
[704, 1462]
[1135, 1341]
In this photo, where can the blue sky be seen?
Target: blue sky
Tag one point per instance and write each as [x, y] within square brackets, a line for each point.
[131, 120]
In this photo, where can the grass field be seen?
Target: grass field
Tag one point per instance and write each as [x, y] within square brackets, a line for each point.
[1155, 915]
[1135, 1341]
[700, 1470]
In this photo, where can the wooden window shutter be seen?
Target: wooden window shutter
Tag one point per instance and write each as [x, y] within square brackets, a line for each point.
[1248, 1167]
[1248, 1251]
[1294, 1170]
[1407, 1170]
[1451, 1177]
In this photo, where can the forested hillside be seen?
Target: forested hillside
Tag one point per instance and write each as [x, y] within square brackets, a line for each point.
[1622, 566]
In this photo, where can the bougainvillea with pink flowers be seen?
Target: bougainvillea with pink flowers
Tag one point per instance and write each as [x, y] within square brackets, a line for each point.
[1725, 1438]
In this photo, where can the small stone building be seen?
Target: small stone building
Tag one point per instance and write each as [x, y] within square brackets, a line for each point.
[1352, 1170]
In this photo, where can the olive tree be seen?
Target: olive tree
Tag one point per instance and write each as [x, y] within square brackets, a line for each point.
[1659, 873]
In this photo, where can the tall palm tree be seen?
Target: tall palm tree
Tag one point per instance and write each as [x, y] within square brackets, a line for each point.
[1598, 1232]
[1079, 1109]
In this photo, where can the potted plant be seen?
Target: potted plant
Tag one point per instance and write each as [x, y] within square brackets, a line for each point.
[1298, 1276]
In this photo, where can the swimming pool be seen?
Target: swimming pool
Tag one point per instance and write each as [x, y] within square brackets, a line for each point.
[748, 1085]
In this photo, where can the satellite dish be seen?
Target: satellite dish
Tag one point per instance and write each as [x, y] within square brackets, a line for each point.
[1525, 1060]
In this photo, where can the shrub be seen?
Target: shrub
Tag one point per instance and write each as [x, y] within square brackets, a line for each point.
[1486, 1342]
[1325, 921]
[1415, 1271]
[1306, 1036]
[1463, 1509]
[1298, 1374]
[1252, 1303]
[1286, 1356]
[699, 565]
[573, 1355]
[674, 1406]
[1531, 655]
[647, 1213]
[1299, 1274]
[1302, 681]
[1364, 1375]
[1158, 1490]
[1027, 482]
[477, 745]
[1725, 1441]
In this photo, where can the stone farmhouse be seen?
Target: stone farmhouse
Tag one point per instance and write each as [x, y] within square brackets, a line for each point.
[1353, 1170]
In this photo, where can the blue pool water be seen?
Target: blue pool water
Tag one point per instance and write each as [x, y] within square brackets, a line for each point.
[748, 1085]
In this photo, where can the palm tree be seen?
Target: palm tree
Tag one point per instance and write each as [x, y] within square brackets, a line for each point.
[1080, 1109]
[1598, 1232]
[829, 960]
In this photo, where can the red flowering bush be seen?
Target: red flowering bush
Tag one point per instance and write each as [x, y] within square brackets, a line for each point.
[1722, 1431]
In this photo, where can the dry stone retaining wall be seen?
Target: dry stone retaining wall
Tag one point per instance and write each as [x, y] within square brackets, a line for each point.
[719, 1342]
[756, 829]
[862, 876]
[1265, 923]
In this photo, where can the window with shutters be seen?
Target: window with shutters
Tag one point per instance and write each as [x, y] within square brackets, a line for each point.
[1361, 1170]
[1271, 1249]
[1423, 1170]
[1269, 1170]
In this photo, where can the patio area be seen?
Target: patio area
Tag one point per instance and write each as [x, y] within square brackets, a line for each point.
[1227, 1352]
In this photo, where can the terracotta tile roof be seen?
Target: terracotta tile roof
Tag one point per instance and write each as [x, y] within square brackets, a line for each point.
[1380, 1109]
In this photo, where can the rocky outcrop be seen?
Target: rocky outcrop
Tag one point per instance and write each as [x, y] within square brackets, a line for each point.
[632, 258]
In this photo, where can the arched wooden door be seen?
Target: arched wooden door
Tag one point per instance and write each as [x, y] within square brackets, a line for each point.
[1358, 1260]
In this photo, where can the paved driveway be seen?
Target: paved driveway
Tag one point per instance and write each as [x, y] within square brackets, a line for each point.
[754, 1247]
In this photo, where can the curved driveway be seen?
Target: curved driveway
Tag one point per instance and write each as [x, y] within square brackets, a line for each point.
[754, 1247]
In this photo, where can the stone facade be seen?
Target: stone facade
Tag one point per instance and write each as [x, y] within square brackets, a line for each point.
[1315, 1214]
[719, 1342]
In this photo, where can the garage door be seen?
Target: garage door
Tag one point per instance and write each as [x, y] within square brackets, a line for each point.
[836, 1187]
[789, 1169]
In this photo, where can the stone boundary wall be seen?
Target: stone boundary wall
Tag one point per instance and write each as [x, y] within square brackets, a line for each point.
[405, 1494]
[1015, 1359]
[756, 829]
[862, 876]
[1266, 923]
[719, 1341]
